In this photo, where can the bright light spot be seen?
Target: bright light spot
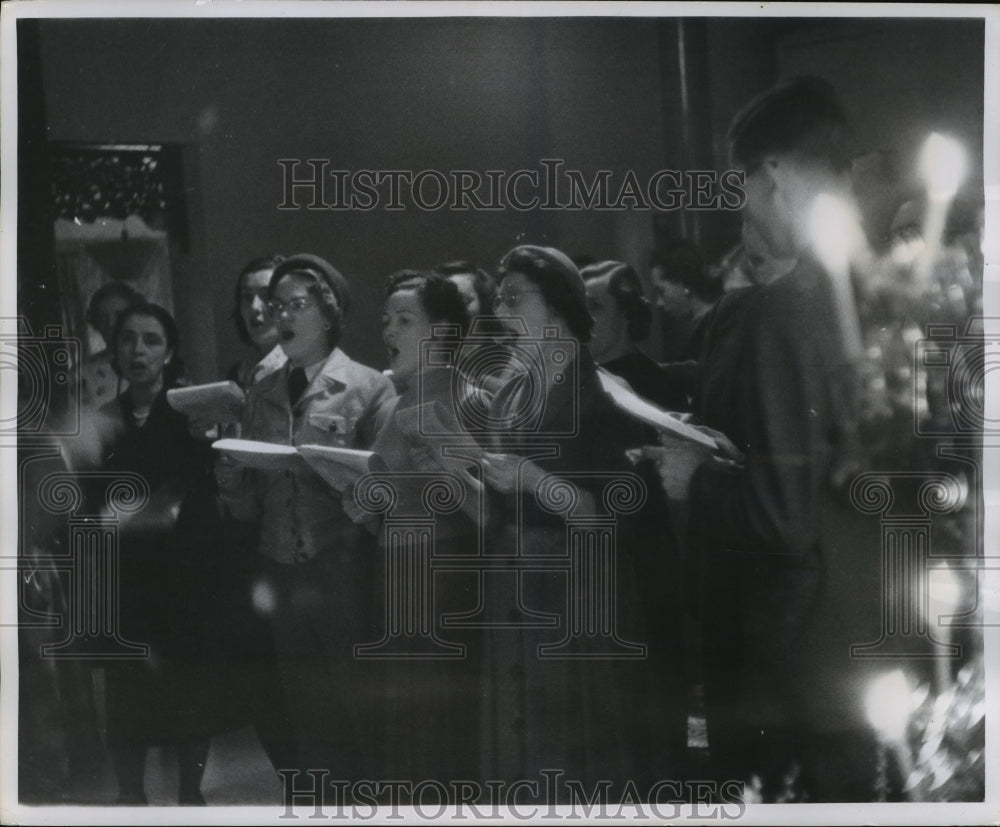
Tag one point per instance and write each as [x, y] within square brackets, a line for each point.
[906, 252]
[944, 591]
[942, 166]
[888, 705]
[263, 597]
[833, 232]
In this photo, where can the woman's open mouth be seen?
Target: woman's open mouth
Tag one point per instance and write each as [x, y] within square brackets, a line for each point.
[287, 335]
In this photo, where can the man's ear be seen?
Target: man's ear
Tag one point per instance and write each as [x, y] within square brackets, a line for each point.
[775, 174]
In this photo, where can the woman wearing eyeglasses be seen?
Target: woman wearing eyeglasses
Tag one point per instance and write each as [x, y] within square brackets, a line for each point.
[578, 707]
[317, 564]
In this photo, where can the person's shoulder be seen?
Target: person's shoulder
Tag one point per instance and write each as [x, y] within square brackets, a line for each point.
[358, 373]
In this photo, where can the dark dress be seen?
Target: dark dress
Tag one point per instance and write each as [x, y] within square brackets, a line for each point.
[169, 578]
[789, 572]
[430, 715]
[670, 386]
[588, 713]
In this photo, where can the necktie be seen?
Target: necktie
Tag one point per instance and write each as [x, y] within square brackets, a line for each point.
[297, 384]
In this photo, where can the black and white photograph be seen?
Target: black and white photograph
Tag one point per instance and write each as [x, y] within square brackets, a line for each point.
[499, 412]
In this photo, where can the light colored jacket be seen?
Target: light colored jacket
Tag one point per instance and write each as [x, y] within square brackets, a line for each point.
[300, 515]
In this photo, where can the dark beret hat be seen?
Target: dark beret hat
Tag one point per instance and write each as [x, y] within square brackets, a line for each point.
[306, 264]
[558, 263]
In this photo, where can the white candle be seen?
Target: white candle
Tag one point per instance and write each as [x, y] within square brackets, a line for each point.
[942, 166]
[944, 594]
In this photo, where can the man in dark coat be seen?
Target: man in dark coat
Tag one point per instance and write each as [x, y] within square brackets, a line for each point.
[788, 578]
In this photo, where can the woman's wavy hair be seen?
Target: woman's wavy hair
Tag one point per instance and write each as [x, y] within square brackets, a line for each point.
[482, 282]
[439, 296]
[626, 288]
[258, 264]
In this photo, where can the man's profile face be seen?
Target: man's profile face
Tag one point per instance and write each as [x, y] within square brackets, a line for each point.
[767, 217]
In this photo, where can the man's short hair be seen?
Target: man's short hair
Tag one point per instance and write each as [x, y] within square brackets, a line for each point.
[800, 116]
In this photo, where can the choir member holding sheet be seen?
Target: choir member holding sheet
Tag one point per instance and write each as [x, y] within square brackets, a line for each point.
[317, 578]
[599, 709]
[430, 706]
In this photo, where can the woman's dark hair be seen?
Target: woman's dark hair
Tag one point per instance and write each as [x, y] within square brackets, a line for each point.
[802, 116]
[439, 296]
[482, 282]
[626, 288]
[558, 279]
[113, 289]
[326, 284]
[175, 368]
[258, 264]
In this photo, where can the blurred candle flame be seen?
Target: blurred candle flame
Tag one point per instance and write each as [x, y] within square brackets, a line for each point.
[942, 166]
[888, 705]
[944, 591]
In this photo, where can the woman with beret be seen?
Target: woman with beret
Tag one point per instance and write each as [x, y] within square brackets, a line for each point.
[586, 712]
[317, 564]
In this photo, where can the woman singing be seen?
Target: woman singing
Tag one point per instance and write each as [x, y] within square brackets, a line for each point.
[317, 578]
[568, 690]
[169, 572]
[430, 702]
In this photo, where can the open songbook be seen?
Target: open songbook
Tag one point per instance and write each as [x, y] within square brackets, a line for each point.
[341, 466]
[219, 402]
[338, 466]
[628, 400]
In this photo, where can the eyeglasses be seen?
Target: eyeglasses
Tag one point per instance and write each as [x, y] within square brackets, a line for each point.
[293, 306]
[511, 298]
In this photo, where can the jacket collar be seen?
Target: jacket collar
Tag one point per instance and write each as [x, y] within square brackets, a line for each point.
[335, 372]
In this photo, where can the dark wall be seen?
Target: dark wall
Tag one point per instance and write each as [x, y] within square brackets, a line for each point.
[451, 94]
[417, 95]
